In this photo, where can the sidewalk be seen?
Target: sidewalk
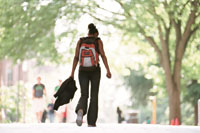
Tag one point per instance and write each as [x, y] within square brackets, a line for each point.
[101, 128]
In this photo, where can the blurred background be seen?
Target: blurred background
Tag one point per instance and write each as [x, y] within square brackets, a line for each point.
[152, 46]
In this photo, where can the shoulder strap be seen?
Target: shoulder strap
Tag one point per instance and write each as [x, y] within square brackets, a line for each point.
[97, 44]
[81, 39]
[94, 39]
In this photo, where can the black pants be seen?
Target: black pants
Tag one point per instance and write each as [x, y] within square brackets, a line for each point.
[86, 78]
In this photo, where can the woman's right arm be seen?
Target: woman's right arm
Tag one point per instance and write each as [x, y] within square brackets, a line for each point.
[76, 58]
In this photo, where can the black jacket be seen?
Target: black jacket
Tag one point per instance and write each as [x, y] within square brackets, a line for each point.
[65, 93]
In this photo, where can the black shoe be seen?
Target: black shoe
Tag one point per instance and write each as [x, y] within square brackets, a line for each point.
[91, 125]
[79, 119]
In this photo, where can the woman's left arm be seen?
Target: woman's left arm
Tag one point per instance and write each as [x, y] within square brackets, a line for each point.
[76, 58]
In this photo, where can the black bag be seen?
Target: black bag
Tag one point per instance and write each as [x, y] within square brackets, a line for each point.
[44, 116]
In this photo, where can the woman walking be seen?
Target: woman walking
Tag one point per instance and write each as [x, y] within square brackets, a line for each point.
[87, 54]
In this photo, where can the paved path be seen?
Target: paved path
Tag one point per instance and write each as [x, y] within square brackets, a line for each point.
[101, 128]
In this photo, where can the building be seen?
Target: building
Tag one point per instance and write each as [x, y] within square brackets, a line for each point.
[11, 74]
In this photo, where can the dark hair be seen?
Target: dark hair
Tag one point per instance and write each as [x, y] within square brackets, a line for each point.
[92, 29]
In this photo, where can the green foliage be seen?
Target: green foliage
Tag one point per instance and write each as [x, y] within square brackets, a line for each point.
[187, 114]
[137, 18]
[27, 31]
[140, 20]
[145, 112]
[193, 93]
[27, 28]
[140, 86]
[191, 65]
[190, 96]
[161, 111]
[14, 100]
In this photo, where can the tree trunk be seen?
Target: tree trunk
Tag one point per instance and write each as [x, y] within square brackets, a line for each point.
[196, 114]
[173, 89]
[174, 105]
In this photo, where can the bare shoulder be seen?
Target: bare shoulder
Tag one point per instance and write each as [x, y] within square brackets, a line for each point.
[100, 41]
[78, 43]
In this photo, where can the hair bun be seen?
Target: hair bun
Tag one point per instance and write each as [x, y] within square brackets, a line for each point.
[91, 26]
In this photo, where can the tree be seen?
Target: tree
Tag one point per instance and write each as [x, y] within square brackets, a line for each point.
[27, 29]
[193, 96]
[140, 87]
[167, 25]
[20, 35]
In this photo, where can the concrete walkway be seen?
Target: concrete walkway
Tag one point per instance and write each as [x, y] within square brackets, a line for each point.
[101, 128]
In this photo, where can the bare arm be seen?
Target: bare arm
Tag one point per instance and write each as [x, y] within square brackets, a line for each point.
[104, 58]
[33, 93]
[45, 92]
[76, 58]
